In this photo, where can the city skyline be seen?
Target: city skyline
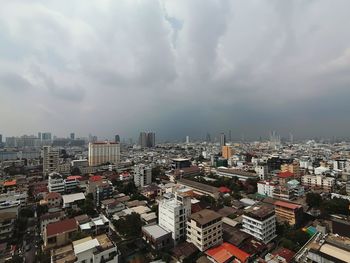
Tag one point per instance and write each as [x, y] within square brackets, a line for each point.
[128, 66]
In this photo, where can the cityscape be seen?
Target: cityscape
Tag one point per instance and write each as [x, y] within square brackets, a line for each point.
[161, 131]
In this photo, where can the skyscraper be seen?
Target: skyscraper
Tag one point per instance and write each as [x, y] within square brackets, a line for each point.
[187, 139]
[39, 136]
[208, 138]
[147, 139]
[0, 138]
[116, 138]
[222, 139]
[72, 136]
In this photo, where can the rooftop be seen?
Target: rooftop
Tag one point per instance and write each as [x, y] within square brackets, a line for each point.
[225, 252]
[155, 231]
[260, 212]
[199, 186]
[67, 225]
[71, 198]
[287, 205]
[205, 216]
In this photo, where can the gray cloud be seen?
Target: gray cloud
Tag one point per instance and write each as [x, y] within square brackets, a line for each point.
[177, 67]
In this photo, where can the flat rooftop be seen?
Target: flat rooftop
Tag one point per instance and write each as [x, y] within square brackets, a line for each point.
[205, 216]
[155, 231]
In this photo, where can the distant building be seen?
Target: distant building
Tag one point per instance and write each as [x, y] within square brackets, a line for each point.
[103, 152]
[227, 151]
[204, 229]
[147, 139]
[142, 175]
[260, 222]
[292, 168]
[180, 163]
[72, 136]
[187, 139]
[318, 181]
[50, 160]
[222, 139]
[117, 138]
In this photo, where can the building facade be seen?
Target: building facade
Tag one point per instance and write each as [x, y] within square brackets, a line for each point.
[50, 160]
[204, 229]
[142, 175]
[103, 152]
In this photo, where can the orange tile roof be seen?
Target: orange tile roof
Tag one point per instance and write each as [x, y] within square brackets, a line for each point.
[10, 183]
[225, 252]
[67, 225]
[287, 205]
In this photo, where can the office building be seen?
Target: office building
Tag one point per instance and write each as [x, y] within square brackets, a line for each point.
[39, 136]
[72, 136]
[289, 212]
[46, 136]
[142, 175]
[147, 139]
[204, 229]
[222, 139]
[117, 138]
[260, 222]
[180, 163]
[103, 152]
[50, 160]
[0, 139]
[173, 215]
[187, 139]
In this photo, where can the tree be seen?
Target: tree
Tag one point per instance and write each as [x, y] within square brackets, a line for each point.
[129, 226]
[313, 200]
[335, 206]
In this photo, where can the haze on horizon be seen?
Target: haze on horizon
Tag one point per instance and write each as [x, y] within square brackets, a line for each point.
[175, 67]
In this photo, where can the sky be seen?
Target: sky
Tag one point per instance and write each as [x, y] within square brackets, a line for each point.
[184, 67]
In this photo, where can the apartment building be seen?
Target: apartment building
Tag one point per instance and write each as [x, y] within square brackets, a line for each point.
[289, 212]
[204, 229]
[318, 181]
[173, 215]
[266, 188]
[56, 183]
[7, 225]
[103, 152]
[260, 222]
[50, 160]
[227, 151]
[293, 168]
[142, 175]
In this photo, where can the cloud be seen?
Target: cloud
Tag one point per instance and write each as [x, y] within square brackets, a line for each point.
[176, 67]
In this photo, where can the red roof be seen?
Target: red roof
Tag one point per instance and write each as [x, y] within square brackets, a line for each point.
[95, 178]
[10, 183]
[74, 177]
[53, 195]
[67, 225]
[286, 254]
[287, 205]
[225, 252]
[285, 174]
[224, 189]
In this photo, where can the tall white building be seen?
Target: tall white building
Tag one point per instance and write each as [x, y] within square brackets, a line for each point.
[103, 152]
[173, 215]
[50, 160]
[260, 222]
[142, 175]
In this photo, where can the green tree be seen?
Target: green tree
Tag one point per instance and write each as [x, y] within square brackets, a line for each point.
[129, 226]
[313, 200]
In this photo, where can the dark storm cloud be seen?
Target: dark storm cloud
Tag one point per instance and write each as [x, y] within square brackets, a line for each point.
[176, 67]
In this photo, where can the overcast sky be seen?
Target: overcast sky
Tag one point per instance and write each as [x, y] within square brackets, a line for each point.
[178, 68]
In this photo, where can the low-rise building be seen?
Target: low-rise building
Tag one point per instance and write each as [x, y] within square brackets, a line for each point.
[266, 188]
[53, 199]
[227, 252]
[7, 225]
[204, 229]
[157, 237]
[318, 181]
[289, 212]
[59, 233]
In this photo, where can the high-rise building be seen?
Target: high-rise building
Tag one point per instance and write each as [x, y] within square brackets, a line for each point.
[46, 136]
[117, 138]
[222, 139]
[39, 136]
[208, 138]
[187, 139]
[50, 160]
[104, 152]
[0, 138]
[173, 215]
[72, 136]
[142, 175]
[147, 139]
[229, 136]
[227, 151]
